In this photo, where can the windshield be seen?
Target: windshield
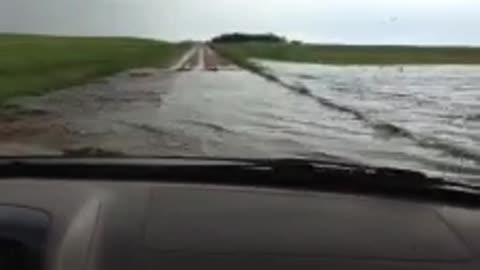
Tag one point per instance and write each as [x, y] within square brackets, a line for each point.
[392, 83]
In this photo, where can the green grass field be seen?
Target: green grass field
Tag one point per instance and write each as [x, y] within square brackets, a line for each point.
[352, 55]
[33, 65]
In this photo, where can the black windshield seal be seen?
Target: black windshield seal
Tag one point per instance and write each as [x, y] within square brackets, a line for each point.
[295, 174]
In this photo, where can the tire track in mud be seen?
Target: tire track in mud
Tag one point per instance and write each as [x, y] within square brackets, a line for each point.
[203, 58]
[189, 61]
[184, 59]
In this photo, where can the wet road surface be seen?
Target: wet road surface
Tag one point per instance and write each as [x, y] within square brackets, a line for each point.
[205, 106]
[193, 109]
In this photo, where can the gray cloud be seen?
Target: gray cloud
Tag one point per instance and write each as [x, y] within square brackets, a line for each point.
[346, 21]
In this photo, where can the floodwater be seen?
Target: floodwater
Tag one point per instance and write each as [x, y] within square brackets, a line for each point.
[417, 117]
[425, 118]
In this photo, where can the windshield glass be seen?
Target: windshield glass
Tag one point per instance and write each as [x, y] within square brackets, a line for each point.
[392, 83]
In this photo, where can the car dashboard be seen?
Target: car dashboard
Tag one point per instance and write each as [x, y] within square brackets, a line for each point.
[106, 224]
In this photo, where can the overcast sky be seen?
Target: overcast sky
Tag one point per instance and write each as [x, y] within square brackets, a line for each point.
[327, 21]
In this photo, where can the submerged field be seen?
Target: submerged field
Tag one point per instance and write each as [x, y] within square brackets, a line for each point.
[404, 107]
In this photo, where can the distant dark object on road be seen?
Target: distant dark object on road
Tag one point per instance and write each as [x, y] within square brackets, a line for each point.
[240, 37]
[212, 68]
[185, 68]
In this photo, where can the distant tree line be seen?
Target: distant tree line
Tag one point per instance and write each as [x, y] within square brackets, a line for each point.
[240, 37]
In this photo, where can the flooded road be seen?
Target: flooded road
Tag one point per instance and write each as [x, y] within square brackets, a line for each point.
[422, 118]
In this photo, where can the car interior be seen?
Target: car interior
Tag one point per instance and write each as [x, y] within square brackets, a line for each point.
[96, 222]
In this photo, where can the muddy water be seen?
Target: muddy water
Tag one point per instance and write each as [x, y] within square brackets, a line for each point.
[421, 118]
[418, 117]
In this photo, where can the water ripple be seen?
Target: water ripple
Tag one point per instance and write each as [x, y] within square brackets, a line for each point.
[403, 105]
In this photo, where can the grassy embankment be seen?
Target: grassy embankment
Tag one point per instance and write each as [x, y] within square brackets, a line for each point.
[353, 55]
[33, 65]
[239, 53]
